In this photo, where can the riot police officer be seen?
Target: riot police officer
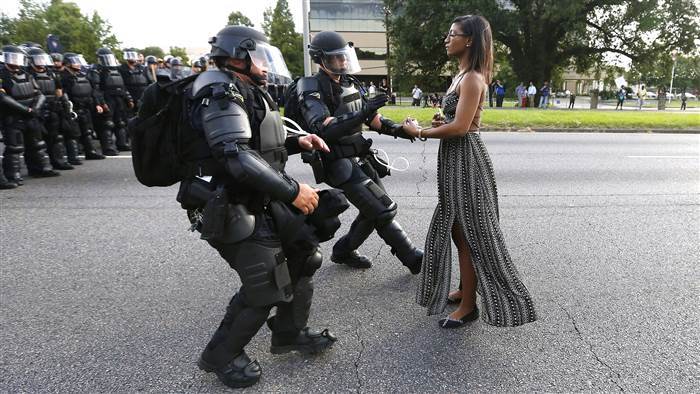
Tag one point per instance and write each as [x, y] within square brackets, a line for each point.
[247, 146]
[334, 107]
[105, 76]
[86, 100]
[134, 75]
[55, 109]
[151, 67]
[20, 103]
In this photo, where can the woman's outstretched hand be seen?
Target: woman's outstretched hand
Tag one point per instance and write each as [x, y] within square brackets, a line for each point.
[410, 127]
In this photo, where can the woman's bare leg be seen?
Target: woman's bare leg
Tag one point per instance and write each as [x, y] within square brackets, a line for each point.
[466, 274]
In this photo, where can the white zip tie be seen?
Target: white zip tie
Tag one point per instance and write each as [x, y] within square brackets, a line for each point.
[384, 162]
[391, 164]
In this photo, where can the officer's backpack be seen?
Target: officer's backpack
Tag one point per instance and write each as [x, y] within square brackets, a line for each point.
[156, 133]
[291, 105]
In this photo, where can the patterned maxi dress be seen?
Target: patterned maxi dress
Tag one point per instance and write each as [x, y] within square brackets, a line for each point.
[467, 196]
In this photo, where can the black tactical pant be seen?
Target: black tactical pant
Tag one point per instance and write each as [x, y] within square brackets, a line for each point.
[366, 192]
[113, 122]
[23, 134]
[247, 311]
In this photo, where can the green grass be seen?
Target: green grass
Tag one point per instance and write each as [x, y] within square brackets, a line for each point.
[536, 118]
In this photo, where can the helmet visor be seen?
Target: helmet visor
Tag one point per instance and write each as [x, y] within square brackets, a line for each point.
[341, 61]
[268, 57]
[15, 59]
[108, 60]
[42, 60]
[130, 55]
[79, 60]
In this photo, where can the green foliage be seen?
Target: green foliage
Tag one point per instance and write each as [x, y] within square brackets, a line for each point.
[77, 32]
[553, 119]
[543, 36]
[278, 25]
[237, 18]
[180, 52]
[153, 50]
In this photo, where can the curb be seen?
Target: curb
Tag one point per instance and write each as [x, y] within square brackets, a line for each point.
[576, 130]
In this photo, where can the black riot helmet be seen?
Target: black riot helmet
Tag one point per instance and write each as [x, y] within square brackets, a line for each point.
[245, 43]
[329, 49]
[150, 59]
[14, 57]
[106, 58]
[56, 57]
[38, 58]
[74, 60]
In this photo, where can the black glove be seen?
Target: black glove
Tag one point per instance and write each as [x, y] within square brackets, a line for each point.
[394, 129]
[374, 103]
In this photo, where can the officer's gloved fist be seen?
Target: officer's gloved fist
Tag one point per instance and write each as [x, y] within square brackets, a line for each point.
[374, 103]
[401, 133]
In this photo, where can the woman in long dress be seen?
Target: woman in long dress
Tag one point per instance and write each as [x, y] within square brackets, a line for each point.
[467, 210]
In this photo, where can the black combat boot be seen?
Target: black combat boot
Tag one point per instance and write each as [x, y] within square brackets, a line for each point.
[5, 184]
[90, 152]
[72, 152]
[239, 372]
[58, 156]
[401, 246]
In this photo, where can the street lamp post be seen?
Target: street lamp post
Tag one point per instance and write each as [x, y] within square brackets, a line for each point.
[674, 56]
[305, 32]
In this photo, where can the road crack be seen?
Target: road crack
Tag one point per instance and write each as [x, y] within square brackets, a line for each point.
[423, 171]
[592, 350]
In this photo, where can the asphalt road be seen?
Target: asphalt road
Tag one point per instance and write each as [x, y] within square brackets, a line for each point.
[103, 289]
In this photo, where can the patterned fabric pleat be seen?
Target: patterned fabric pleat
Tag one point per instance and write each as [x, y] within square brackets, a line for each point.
[468, 197]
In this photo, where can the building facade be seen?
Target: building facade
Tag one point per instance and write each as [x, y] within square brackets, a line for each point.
[360, 22]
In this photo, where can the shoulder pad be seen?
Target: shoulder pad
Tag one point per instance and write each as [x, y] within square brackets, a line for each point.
[308, 85]
[209, 77]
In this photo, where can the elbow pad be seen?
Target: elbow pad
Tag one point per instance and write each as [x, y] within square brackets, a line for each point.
[7, 101]
[341, 126]
[248, 167]
[225, 122]
[39, 103]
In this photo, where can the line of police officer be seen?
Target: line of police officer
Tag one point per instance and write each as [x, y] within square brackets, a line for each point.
[51, 106]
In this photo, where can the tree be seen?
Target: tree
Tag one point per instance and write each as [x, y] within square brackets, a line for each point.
[77, 32]
[237, 18]
[278, 25]
[181, 53]
[545, 36]
[153, 50]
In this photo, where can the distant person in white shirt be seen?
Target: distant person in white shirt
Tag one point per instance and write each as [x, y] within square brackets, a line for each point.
[372, 89]
[531, 92]
[417, 94]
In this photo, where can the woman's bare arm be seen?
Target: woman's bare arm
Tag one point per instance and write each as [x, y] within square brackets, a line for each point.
[470, 91]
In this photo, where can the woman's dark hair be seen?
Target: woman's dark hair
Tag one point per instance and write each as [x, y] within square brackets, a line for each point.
[481, 50]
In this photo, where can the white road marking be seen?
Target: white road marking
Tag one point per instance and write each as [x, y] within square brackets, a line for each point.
[664, 157]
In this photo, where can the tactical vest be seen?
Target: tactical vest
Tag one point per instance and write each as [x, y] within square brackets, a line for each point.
[271, 137]
[81, 90]
[111, 81]
[22, 88]
[352, 145]
[47, 85]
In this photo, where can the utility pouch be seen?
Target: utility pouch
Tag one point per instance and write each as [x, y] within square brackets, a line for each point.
[378, 164]
[214, 216]
[282, 278]
[314, 160]
[194, 193]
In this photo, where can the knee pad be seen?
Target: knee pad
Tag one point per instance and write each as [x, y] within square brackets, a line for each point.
[14, 149]
[109, 125]
[385, 217]
[312, 263]
[58, 138]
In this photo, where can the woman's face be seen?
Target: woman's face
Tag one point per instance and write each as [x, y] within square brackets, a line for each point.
[456, 42]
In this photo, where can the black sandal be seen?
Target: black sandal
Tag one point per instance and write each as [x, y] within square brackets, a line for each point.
[449, 322]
